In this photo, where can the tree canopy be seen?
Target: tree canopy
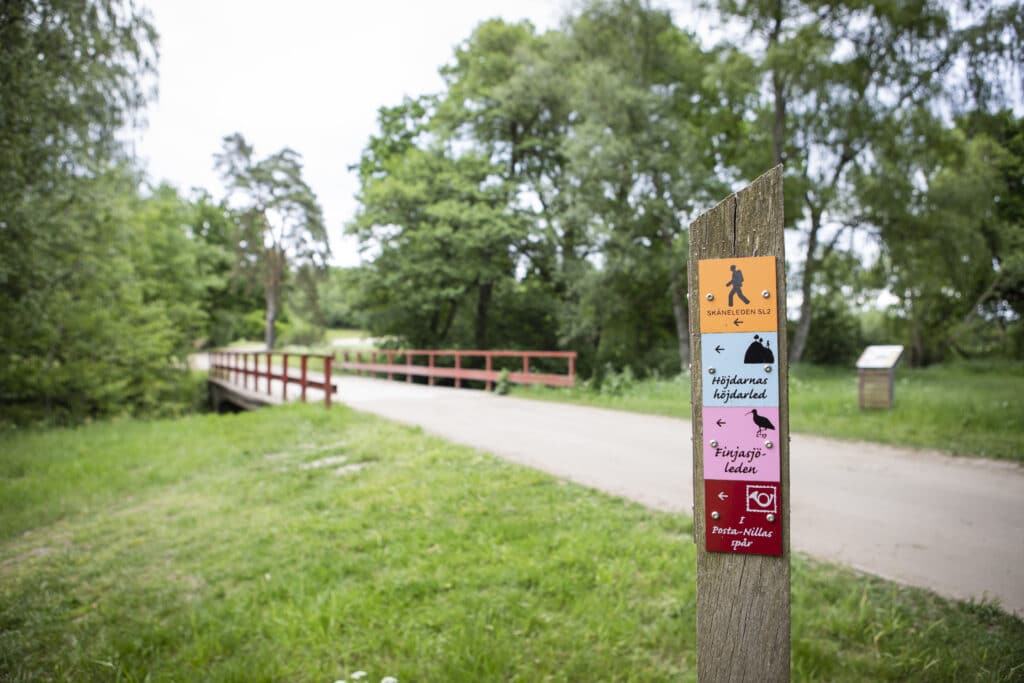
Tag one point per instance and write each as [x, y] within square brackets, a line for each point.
[607, 136]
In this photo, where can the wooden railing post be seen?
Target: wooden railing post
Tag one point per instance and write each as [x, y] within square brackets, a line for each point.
[270, 372]
[572, 370]
[391, 360]
[305, 358]
[489, 370]
[458, 367]
[245, 370]
[526, 364]
[430, 363]
[408, 368]
[284, 376]
[327, 381]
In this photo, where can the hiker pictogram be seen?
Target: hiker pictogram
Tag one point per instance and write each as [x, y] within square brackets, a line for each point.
[737, 285]
[738, 295]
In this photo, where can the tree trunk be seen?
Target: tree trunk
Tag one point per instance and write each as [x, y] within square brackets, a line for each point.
[803, 326]
[275, 268]
[483, 304]
[680, 308]
[270, 332]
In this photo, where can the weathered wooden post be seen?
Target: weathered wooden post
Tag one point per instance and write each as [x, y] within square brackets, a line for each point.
[740, 403]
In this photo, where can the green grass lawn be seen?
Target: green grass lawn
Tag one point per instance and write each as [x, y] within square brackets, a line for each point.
[213, 548]
[344, 333]
[967, 409]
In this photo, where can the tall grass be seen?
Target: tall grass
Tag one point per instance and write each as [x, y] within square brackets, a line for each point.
[303, 544]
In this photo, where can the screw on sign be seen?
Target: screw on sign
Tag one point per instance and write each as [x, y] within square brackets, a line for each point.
[742, 517]
[740, 369]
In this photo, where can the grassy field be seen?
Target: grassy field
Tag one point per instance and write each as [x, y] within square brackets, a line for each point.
[344, 333]
[299, 544]
[966, 409]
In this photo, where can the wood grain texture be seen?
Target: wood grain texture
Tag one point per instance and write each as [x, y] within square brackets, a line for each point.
[743, 601]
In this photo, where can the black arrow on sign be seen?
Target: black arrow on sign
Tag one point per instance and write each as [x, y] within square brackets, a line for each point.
[720, 423]
[719, 349]
[737, 322]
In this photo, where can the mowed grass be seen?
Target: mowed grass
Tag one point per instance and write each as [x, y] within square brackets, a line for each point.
[344, 333]
[300, 544]
[971, 409]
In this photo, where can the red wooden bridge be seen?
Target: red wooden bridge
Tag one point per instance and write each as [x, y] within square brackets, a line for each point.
[458, 365]
[232, 373]
[251, 379]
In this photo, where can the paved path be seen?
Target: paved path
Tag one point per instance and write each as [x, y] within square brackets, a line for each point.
[953, 525]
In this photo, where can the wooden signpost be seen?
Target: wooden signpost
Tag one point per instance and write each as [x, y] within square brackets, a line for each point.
[740, 400]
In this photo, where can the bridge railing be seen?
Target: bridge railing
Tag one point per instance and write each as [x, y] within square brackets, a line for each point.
[235, 367]
[435, 364]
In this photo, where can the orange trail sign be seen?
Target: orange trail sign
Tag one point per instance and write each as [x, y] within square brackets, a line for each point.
[738, 294]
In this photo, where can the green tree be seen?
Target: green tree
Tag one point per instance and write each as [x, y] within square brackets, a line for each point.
[236, 288]
[952, 230]
[607, 137]
[839, 78]
[177, 270]
[646, 143]
[280, 219]
[442, 231]
[508, 97]
[78, 335]
[338, 298]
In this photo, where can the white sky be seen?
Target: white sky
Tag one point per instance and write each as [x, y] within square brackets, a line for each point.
[305, 74]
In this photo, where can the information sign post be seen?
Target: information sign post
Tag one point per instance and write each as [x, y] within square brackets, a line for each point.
[740, 408]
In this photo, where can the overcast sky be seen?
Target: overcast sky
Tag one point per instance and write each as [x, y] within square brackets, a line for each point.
[305, 74]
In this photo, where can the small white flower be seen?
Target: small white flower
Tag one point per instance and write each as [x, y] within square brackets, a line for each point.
[389, 679]
[357, 675]
[339, 681]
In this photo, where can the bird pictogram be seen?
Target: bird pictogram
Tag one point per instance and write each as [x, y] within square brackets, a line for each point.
[762, 422]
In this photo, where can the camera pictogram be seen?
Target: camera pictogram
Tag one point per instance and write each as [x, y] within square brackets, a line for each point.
[762, 498]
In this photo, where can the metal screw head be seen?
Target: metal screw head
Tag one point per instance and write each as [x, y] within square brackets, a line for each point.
[769, 444]
[766, 294]
[715, 515]
[771, 517]
[711, 371]
[714, 444]
[709, 296]
[767, 368]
